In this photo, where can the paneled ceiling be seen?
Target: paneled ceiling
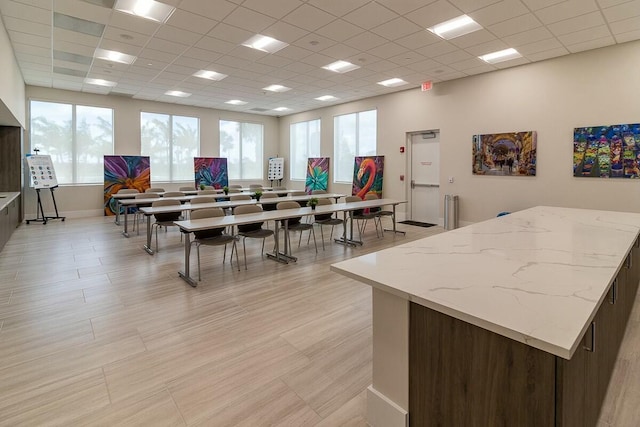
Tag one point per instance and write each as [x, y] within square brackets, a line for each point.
[55, 42]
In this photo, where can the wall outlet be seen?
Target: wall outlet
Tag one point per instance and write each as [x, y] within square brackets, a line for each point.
[450, 180]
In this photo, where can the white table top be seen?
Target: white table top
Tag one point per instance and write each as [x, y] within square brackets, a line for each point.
[537, 276]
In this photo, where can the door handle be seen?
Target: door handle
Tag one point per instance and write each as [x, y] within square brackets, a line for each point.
[413, 184]
[592, 345]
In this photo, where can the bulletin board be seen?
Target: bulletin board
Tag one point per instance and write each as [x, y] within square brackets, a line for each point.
[276, 169]
[41, 171]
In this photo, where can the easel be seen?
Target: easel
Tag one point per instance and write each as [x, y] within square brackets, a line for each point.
[40, 216]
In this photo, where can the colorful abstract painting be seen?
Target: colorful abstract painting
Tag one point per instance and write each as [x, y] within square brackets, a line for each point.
[317, 174]
[607, 151]
[367, 176]
[124, 172]
[211, 171]
[510, 154]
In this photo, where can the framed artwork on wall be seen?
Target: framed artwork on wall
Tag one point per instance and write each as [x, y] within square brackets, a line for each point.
[317, 174]
[611, 151]
[505, 154]
[124, 172]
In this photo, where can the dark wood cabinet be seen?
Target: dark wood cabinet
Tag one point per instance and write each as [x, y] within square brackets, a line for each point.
[460, 374]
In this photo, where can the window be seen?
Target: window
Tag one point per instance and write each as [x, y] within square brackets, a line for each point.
[171, 142]
[241, 144]
[75, 136]
[304, 142]
[353, 135]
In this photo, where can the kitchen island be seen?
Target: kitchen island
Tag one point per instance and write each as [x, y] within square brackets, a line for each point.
[512, 321]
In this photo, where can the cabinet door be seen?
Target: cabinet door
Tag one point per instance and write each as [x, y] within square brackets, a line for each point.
[570, 385]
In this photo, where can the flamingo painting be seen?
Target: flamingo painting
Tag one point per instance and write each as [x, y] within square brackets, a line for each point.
[367, 176]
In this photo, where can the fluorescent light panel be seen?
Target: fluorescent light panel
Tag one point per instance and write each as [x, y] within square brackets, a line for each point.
[326, 98]
[501, 56]
[148, 9]
[114, 56]
[392, 82]
[276, 88]
[341, 67]
[281, 109]
[177, 93]
[236, 102]
[210, 75]
[100, 82]
[455, 27]
[265, 44]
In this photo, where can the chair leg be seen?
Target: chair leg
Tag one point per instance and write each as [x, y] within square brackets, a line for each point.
[314, 239]
[244, 248]
[322, 235]
[198, 250]
[235, 247]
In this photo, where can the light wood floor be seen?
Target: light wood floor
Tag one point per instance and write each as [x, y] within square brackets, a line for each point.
[93, 331]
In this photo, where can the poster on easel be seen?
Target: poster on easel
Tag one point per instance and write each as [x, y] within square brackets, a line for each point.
[276, 169]
[211, 171]
[124, 172]
[367, 176]
[317, 174]
[41, 171]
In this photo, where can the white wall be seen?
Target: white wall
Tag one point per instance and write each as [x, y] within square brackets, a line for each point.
[83, 200]
[12, 89]
[598, 87]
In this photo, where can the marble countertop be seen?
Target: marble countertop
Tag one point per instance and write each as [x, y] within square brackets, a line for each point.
[537, 276]
[7, 197]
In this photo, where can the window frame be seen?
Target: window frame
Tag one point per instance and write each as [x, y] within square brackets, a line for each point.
[260, 162]
[336, 163]
[308, 142]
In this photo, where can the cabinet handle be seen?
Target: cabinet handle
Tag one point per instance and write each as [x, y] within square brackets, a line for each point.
[614, 292]
[592, 347]
[629, 261]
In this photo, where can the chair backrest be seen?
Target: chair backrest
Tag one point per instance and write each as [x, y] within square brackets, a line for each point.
[289, 205]
[147, 196]
[254, 186]
[240, 197]
[247, 209]
[235, 190]
[269, 206]
[318, 191]
[269, 195]
[187, 188]
[234, 186]
[203, 199]
[208, 213]
[325, 202]
[207, 192]
[173, 194]
[169, 216]
[279, 188]
[372, 196]
[325, 216]
[128, 191]
[351, 199]
[209, 187]
[154, 190]
[297, 193]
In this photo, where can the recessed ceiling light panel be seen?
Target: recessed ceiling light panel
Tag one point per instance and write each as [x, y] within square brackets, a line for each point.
[395, 82]
[326, 98]
[100, 82]
[276, 88]
[281, 109]
[455, 27]
[148, 9]
[177, 93]
[265, 44]
[210, 75]
[501, 56]
[114, 56]
[236, 102]
[341, 67]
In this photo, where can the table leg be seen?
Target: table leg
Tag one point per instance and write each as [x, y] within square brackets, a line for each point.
[125, 233]
[117, 220]
[394, 222]
[277, 255]
[147, 247]
[187, 254]
[344, 240]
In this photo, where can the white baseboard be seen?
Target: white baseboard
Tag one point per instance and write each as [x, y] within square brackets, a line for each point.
[383, 412]
[69, 214]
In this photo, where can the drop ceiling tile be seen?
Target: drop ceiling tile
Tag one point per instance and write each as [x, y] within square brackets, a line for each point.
[274, 61]
[298, 67]
[215, 10]
[185, 72]
[585, 35]
[201, 54]
[22, 26]
[20, 10]
[436, 49]
[365, 41]
[370, 16]
[608, 3]
[339, 30]
[31, 50]
[83, 10]
[515, 25]
[247, 54]
[120, 47]
[388, 50]
[314, 42]
[166, 46]
[484, 48]
[472, 5]
[156, 55]
[623, 11]
[294, 53]
[548, 54]
[84, 68]
[479, 70]
[285, 32]
[338, 7]
[566, 10]
[249, 20]
[473, 39]
[215, 45]
[628, 36]
[467, 64]
[232, 61]
[30, 39]
[588, 20]
[318, 60]
[631, 24]
[274, 8]
[426, 65]
[178, 35]
[591, 44]
[119, 34]
[540, 4]
[418, 40]
[230, 33]
[309, 18]
[512, 63]
[407, 58]
[396, 28]
[191, 22]
[434, 13]
[498, 12]
[129, 22]
[34, 59]
[405, 6]
[531, 49]
[450, 58]
[73, 48]
[527, 37]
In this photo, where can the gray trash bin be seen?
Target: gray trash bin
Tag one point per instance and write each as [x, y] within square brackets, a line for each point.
[451, 208]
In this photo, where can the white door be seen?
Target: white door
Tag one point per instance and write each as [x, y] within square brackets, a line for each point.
[425, 177]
